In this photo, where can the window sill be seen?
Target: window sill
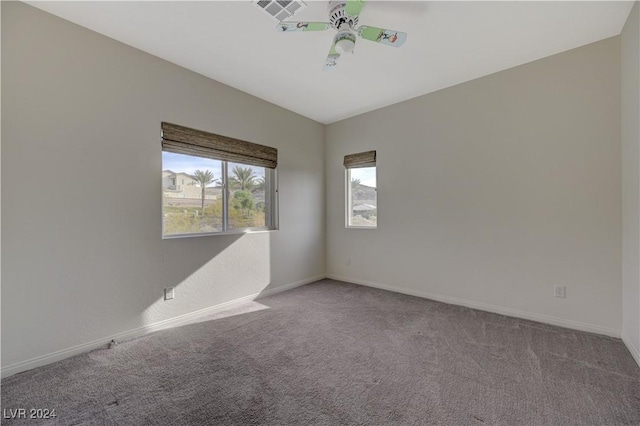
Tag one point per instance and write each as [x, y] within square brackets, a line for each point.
[210, 234]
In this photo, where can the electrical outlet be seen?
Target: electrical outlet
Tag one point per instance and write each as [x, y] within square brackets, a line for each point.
[168, 293]
[348, 261]
[561, 291]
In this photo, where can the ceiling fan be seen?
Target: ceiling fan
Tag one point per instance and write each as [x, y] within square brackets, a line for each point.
[343, 17]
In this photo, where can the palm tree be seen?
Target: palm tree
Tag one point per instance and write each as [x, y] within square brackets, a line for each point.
[203, 179]
[260, 184]
[243, 177]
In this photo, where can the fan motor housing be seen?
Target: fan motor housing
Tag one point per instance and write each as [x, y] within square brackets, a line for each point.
[338, 18]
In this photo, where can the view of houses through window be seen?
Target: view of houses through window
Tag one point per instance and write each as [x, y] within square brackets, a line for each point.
[194, 200]
[362, 199]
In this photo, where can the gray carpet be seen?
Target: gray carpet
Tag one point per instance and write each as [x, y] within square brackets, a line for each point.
[334, 353]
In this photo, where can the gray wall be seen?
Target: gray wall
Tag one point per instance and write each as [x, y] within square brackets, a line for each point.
[82, 253]
[493, 191]
[630, 61]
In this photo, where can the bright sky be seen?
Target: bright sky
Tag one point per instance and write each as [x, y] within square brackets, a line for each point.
[367, 176]
[188, 164]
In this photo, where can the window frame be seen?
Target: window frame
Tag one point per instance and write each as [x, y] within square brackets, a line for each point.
[348, 200]
[271, 200]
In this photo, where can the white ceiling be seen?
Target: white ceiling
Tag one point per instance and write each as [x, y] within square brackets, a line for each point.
[236, 43]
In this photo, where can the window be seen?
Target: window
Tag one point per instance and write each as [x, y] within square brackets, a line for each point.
[232, 184]
[361, 190]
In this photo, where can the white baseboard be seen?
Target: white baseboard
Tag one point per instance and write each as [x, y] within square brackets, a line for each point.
[140, 331]
[575, 325]
[635, 352]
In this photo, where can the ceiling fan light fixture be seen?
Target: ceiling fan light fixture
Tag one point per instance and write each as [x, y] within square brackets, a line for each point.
[345, 42]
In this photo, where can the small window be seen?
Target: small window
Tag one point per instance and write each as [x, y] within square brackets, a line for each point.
[361, 190]
[224, 197]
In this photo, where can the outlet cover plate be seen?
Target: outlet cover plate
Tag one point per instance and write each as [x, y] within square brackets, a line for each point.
[561, 291]
[168, 293]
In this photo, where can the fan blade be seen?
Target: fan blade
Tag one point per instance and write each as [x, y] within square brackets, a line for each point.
[302, 26]
[382, 36]
[332, 58]
[354, 7]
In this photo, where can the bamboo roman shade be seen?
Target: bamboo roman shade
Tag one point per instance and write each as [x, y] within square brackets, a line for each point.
[361, 159]
[183, 140]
